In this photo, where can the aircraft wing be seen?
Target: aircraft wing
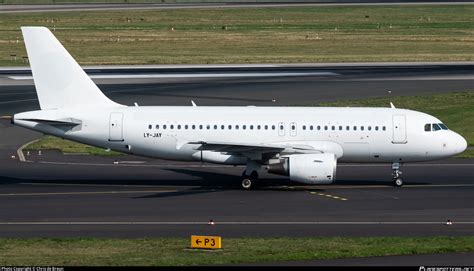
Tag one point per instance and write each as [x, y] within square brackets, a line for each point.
[237, 147]
[258, 151]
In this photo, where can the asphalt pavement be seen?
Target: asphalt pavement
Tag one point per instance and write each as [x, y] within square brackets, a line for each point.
[57, 195]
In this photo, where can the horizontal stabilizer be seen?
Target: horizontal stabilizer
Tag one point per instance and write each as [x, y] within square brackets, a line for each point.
[61, 122]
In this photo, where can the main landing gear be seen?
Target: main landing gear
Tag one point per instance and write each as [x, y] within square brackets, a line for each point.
[397, 179]
[250, 175]
[249, 181]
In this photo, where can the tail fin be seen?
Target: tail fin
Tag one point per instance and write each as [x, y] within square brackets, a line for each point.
[60, 82]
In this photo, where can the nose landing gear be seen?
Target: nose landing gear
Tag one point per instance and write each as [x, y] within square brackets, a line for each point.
[397, 180]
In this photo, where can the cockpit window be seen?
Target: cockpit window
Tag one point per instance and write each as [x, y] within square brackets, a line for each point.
[436, 127]
[444, 127]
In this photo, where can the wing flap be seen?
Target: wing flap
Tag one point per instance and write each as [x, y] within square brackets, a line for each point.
[236, 147]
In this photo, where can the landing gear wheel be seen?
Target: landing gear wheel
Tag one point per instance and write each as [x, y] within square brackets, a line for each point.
[397, 179]
[249, 181]
[398, 182]
[246, 183]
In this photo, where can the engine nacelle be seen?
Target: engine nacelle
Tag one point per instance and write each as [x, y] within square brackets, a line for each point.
[319, 168]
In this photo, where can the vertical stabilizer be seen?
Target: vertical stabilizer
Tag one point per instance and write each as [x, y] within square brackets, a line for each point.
[60, 82]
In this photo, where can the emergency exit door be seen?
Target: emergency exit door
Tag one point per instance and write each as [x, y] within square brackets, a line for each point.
[281, 129]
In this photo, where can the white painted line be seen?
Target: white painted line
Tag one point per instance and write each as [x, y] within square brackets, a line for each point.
[260, 65]
[18, 101]
[417, 78]
[21, 156]
[339, 186]
[194, 75]
[93, 185]
[16, 93]
[218, 166]
[408, 165]
[135, 165]
[87, 193]
[233, 222]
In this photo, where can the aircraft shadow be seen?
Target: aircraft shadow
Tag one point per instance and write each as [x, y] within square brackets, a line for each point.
[207, 182]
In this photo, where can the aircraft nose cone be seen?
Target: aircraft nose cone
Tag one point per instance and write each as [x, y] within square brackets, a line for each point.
[460, 143]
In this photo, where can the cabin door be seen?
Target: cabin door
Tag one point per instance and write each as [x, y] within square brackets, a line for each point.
[115, 127]
[399, 129]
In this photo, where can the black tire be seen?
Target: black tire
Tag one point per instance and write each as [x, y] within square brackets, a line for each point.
[398, 182]
[247, 183]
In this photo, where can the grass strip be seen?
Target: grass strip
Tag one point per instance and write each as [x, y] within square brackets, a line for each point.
[252, 35]
[67, 146]
[173, 251]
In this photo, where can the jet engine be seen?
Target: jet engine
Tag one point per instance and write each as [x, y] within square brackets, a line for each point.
[319, 168]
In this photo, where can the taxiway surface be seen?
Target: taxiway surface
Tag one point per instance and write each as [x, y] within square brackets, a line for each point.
[71, 195]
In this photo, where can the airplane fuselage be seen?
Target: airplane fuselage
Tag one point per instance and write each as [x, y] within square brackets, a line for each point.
[353, 134]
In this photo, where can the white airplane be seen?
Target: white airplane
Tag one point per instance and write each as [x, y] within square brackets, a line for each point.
[300, 142]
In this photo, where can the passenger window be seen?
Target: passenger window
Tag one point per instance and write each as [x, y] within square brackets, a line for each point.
[251, 127]
[266, 127]
[362, 128]
[293, 127]
[333, 128]
[208, 127]
[348, 128]
[200, 127]
[236, 127]
[186, 126]
[157, 126]
[194, 126]
[273, 127]
[222, 127]
[281, 127]
[384, 128]
[376, 128]
[149, 126]
[369, 128]
[179, 126]
[258, 127]
[355, 128]
[319, 127]
[215, 127]
[427, 127]
[436, 127]
[311, 127]
[230, 127]
[304, 127]
[244, 127]
[171, 126]
[325, 128]
[340, 128]
[164, 126]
